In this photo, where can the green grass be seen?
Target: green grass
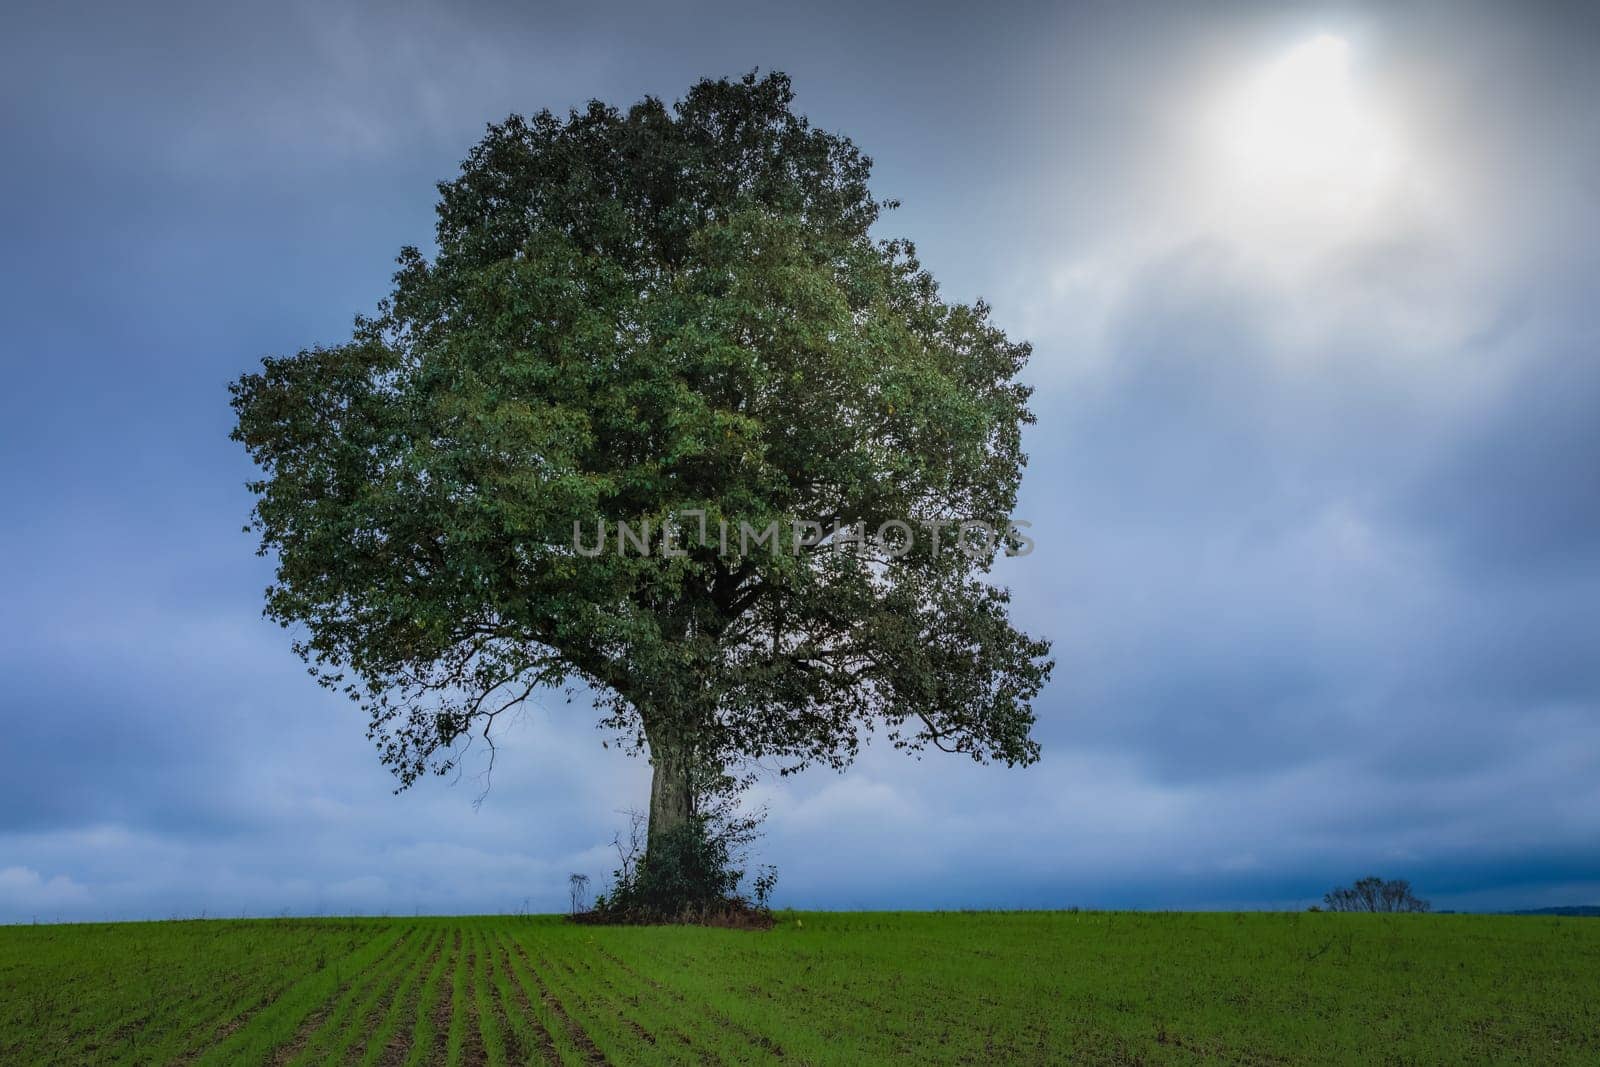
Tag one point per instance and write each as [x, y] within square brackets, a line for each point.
[837, 988]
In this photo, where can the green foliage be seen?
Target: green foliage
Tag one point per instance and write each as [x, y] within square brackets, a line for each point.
[633, 315]
[763, 884]
[882, 987]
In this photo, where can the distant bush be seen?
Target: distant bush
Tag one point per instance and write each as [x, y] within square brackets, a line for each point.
[1375, 894]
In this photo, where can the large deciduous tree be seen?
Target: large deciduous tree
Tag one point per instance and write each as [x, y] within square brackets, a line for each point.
[673, 317]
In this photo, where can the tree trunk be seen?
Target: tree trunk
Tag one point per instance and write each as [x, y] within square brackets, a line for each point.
[671, 788]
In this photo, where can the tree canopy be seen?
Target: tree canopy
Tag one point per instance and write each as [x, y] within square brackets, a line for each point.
[666, 316]
[1375, 894]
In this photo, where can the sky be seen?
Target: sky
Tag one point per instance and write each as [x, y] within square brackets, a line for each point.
[1315, 481]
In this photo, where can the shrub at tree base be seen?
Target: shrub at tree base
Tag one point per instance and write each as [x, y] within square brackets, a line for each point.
[688, 876]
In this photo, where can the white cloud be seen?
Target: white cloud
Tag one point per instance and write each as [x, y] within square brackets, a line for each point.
[24, 890]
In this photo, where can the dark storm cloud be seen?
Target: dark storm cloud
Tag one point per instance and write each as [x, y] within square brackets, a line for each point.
[1521, 490]
[1317, 536]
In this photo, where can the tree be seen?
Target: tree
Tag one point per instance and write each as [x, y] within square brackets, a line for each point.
[578, 890]
[1375, 894]
[668, 321]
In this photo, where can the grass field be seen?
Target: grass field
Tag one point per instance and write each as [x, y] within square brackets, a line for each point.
[864, 988]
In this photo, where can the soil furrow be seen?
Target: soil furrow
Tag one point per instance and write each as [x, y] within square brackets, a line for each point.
[472, 1051]
[403, 988]
[313, 1022]
[547, 1047]
[444, 1010]
[398, 1047]
[639, 1029]
[757, 1040]
[586, 1045]
[509, 1034]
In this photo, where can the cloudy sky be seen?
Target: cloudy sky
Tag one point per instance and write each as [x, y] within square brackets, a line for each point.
[1316, 479]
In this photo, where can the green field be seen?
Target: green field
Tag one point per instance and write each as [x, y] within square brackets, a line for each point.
[862, 988]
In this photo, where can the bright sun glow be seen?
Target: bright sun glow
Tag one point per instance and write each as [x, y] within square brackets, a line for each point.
[1301, 145]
